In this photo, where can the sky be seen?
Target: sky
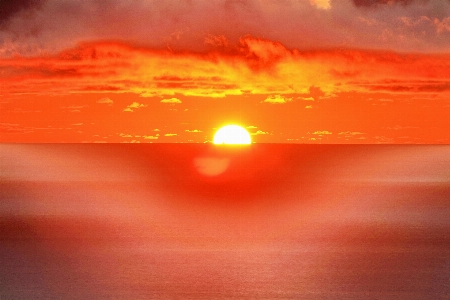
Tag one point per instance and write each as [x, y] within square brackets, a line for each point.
[289, 71]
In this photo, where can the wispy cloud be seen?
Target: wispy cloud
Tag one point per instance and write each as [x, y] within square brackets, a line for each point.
[133, 106]
[323, 132]
[105, 100]
[151, 137]
[171, 101]
[376, 3]
[259, 132]
[136, 105]
[306, 98]
[276, 99]
[322, 4]
[352, 133]
[217, 41]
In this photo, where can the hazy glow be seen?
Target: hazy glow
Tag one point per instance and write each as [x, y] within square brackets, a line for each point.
[211, 166]
[232, 134]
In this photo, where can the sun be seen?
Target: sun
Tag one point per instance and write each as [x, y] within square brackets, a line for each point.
[232, 134]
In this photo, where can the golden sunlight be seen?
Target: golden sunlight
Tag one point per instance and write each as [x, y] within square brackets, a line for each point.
[232, 134]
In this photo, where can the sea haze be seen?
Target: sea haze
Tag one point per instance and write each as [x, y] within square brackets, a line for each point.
[199, 221]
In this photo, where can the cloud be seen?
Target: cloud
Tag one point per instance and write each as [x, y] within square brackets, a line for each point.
[15, 128]
[322, 4]
[262, 52]
[10, 8]
[350, 133]
[371, 3]
[324, 132]
[308, 106]
[31, 27]
[416, 86]
[424, 23]
[131, 142]
[276, 99]
[136, 105]
[74, 106]
[398, 127]
[442, 25]
[138, 138]
[171, 101]
[133, 106]
[170, 134]
[259, 132]
[306, 98]
[151, 137]
[383, 139]
[193, 131]
[105, 100]
[259, 67]
[217, 41]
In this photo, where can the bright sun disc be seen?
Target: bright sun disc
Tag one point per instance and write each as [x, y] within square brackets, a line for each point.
[232, 134]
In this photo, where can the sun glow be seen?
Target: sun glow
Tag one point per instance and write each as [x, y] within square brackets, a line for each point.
[232, 134]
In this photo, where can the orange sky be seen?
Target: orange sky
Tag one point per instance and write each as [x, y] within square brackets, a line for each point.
[312, 71]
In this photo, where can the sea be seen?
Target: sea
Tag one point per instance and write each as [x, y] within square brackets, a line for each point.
[204, 221]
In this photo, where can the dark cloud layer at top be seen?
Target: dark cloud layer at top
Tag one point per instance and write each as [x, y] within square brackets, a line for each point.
[199, 25]
[8, 8]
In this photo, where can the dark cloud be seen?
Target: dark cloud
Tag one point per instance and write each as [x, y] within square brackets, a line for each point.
[412, 87]
[369, 3]
[32, 27]
[8, 8]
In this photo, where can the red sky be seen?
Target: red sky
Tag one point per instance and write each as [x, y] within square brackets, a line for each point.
[305, 71]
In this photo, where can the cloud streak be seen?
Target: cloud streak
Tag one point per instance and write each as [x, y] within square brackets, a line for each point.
[171, 101]
[105, 100]
[257, 66]
[375, 3]
[276, 99]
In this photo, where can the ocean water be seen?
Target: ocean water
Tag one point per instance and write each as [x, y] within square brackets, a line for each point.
[265, 221]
